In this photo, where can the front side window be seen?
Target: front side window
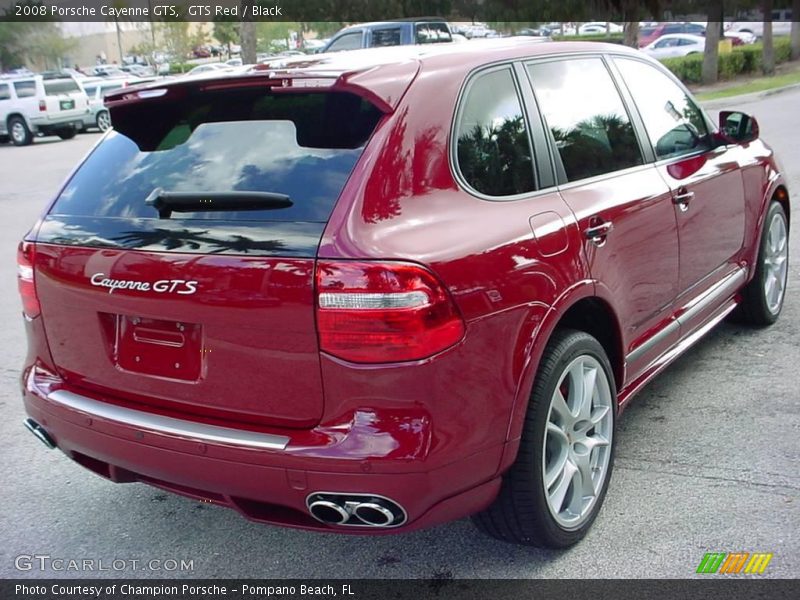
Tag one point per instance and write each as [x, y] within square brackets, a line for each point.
[25, 89]
[674, 123]
[349, 41]
[584, 111]
[493, 147]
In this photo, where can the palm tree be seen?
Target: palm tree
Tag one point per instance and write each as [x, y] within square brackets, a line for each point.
[713, 31]
[768, 56]
[795, 30]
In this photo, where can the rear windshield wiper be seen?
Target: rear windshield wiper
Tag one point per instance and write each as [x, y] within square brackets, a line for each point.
[168, 202]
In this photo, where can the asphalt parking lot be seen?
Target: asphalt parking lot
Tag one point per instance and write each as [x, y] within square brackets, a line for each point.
[708, 457]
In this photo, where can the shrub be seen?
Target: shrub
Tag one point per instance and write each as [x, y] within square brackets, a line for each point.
[742, 60]
[688, 69]
[731, 64]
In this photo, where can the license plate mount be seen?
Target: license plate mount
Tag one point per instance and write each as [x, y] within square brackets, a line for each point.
[159, 348]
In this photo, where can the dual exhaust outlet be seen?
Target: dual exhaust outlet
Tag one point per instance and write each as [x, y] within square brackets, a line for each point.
[331, 508]
[355, 510]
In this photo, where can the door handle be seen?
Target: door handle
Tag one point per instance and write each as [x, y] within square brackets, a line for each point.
[682, 198]
[597, 233]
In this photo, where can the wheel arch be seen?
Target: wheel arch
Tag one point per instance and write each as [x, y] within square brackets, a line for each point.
[11, 115]
[582, 309]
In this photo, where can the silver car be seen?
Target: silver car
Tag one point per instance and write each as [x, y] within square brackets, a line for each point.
[96, 89]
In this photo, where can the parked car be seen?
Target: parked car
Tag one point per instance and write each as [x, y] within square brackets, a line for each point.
[32, 106]
[328, 302]
[596, 27]
[96, 90]
[138, 70]
[234, 62]
[389, 33]
[650, 33]
[781, 24]
[105, 71]
[741, 38]
[208, 68]
[675, 44]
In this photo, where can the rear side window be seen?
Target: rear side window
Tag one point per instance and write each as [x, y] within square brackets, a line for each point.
[5, 93]
[301, 145]
[585, 113]
[386, 37]
[493, 147]
[349, 41]
[90, 90]
[431, 33]
[674, 123]
[25, 89]
[60, 86]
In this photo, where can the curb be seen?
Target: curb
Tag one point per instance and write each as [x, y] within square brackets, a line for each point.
[747, 98]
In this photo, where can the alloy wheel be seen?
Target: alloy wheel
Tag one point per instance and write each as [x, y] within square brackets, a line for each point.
[776, 255]
[577, 441]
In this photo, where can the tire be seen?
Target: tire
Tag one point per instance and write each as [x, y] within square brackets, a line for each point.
[67, 134]
[103, 121]
[19, 132]
[762, 298]
[522, 512]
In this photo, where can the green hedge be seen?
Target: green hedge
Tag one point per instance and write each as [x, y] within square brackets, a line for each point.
[176, 68]
[613, 38]
[743, 59]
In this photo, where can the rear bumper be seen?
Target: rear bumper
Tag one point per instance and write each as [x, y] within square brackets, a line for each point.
[267, 483]
[48, 124]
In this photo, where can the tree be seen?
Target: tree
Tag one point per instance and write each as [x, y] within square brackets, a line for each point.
[768, 56]
[713, 32]
[176, 39]
[248, 32]
[227, 33]
[795, 35]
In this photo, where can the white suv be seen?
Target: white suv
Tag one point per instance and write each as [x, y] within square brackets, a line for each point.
[32, 105]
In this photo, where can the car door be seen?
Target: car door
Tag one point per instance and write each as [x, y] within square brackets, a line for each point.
[705, 178]
[622, 205]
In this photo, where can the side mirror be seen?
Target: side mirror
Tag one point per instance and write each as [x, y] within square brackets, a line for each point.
[738, 127]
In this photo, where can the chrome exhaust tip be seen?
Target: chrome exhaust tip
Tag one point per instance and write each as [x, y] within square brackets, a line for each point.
[40, 433]
[329, 512]
[355, 510]
[374, 514]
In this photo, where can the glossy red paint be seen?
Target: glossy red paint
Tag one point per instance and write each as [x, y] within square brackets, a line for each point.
[433, 434]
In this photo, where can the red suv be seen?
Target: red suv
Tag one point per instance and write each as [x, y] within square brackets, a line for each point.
[380, 290]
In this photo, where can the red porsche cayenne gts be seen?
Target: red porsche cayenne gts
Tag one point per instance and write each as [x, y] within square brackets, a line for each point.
[379, 290]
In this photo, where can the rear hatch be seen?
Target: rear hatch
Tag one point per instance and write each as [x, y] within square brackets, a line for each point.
[64, 99]
[176, 267]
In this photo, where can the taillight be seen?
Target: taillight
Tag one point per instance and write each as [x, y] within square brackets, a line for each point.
[383, 312]
[42, 106]
[27, 288]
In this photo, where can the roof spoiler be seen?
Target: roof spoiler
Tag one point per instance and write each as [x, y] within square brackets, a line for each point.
[382, 85]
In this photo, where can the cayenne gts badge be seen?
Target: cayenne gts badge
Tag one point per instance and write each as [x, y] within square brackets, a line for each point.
[162, 286]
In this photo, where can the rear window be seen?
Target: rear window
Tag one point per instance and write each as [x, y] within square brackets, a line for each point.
[53, 87]
[301, 145]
